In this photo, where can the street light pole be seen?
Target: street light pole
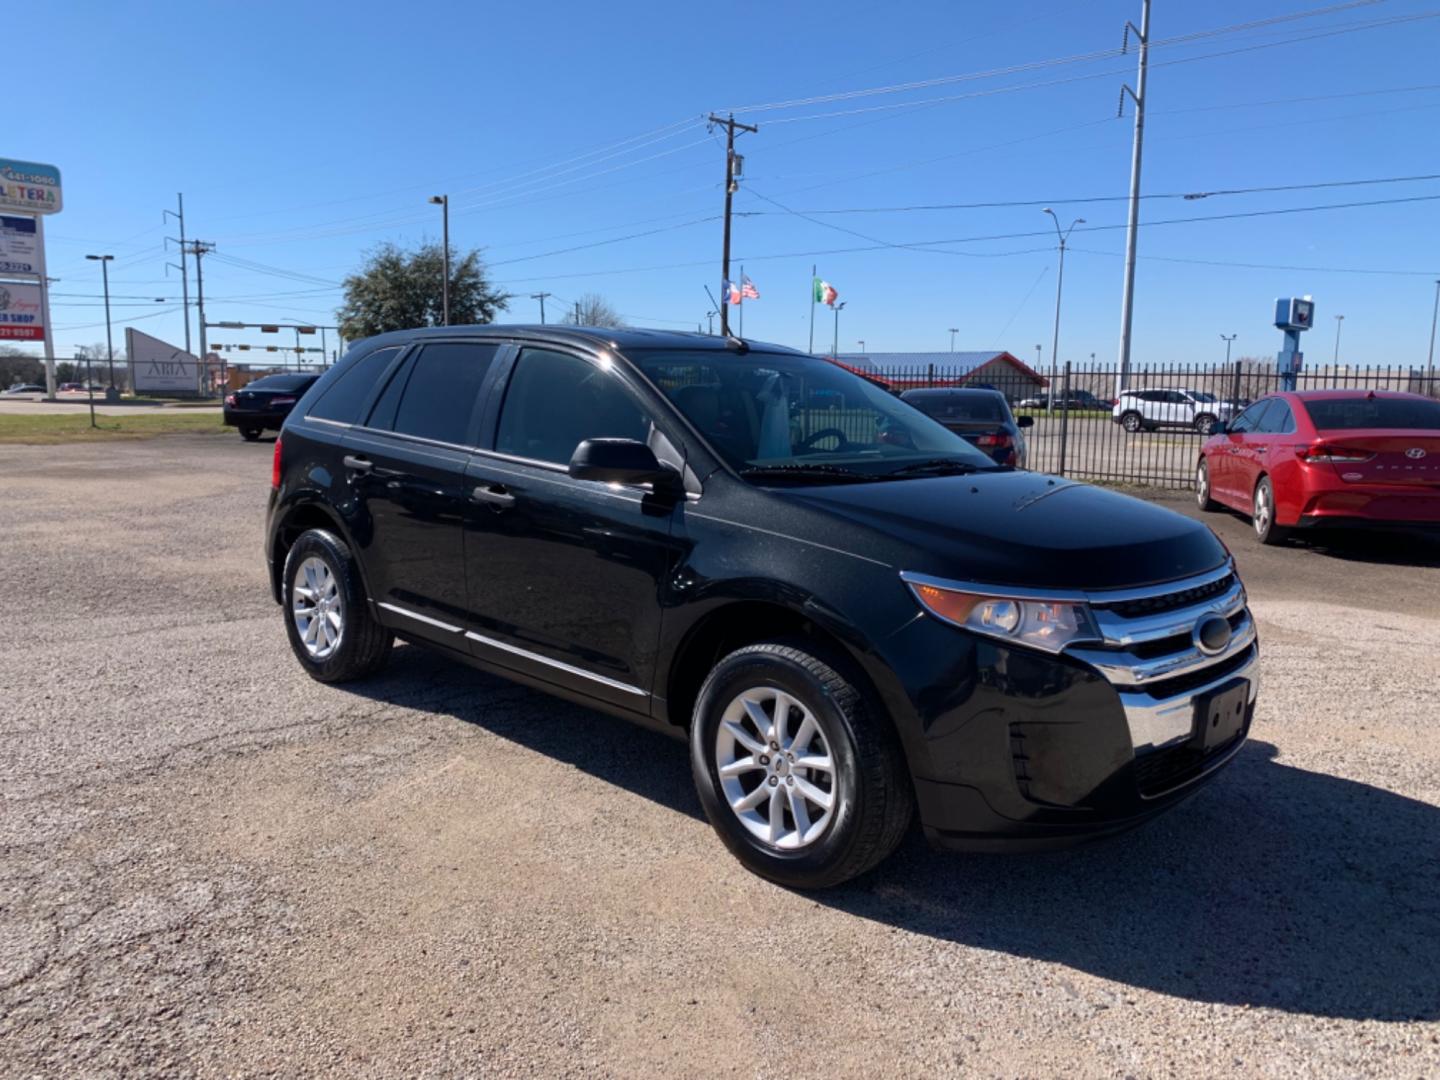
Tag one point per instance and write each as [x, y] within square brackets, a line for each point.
[1339, 322]
[443, 201]
[104, 261]
[835, 345]
[1227, 339]
[1430, 364]
[953, 331]
[861, 343]
[1059, 284]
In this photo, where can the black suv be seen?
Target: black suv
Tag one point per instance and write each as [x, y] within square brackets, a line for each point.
[850, 612]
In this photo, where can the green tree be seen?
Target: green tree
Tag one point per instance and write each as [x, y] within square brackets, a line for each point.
[399, 290]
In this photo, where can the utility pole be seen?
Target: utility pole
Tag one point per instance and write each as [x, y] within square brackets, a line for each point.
[443, 201]
[541, 297]
[1127, 302]
[1430, 364]
[179, 215]
[104, 261]
[1227, 339]
[953, 331]
[577, 312]
[734, 166]
[1059, 284]
[835, 345]
[201, 248]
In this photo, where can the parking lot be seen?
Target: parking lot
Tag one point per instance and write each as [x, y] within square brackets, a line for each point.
[213, 865]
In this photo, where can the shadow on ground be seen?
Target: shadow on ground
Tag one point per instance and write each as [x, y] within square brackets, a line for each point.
[1274, 886]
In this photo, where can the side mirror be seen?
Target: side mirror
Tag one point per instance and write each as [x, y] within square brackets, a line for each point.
[1219, 427]
[619, 461]
[1024, 421]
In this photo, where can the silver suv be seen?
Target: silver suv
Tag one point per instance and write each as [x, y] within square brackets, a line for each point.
[1151, 409]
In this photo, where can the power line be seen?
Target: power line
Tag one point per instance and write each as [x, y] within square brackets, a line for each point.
[1268, 266]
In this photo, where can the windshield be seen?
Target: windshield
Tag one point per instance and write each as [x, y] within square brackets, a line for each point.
[765, 411]
[1341, 414]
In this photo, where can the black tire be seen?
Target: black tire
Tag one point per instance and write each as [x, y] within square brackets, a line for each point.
[1266, 531]
[1204, 423]
[1202, 488]
[873, 798]
[250, 434]
[1130, 421]
[364, 645]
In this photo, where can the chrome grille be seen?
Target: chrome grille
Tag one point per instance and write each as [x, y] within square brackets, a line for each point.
[1150, 655]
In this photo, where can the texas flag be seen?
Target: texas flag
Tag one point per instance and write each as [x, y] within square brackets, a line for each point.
[732, 292]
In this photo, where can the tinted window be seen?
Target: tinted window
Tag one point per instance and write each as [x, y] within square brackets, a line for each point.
[439, 394]
[282, 382]
[957, 406]
[1251, 417]
[1277, 419]
[761, 409]
[556, 401]
[346, 394]
[1340, 414]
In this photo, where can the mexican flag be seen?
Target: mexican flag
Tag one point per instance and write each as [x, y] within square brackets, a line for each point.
[825, 293]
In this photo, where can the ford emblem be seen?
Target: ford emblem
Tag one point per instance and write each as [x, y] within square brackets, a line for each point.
[1212, 634]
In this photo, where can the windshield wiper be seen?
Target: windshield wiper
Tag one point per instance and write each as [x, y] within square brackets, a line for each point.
[816, 471]
[937, 466]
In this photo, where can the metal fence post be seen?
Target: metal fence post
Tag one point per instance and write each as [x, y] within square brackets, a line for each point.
[930, 376]
[1235, 388]
[1064, 416]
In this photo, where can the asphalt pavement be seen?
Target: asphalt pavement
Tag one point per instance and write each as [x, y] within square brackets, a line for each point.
[210, 864]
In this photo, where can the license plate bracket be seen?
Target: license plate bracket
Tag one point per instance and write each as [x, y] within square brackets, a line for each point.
[1220, 714]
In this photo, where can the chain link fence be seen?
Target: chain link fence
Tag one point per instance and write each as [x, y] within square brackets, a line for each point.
[1151, 434]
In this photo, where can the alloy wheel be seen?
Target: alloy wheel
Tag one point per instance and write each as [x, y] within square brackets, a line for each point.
[317, 608]
[1263, 509]
[777, 773]
[1202, 484]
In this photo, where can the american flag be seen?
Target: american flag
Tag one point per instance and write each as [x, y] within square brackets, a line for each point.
[748, 290]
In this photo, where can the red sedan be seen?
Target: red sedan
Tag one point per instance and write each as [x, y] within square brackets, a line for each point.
[1326, 457]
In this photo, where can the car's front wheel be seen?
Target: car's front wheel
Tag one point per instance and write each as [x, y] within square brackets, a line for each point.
[327, 618]
[802, 778]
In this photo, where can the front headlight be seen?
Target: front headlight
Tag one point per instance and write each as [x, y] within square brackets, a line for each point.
[1026, 620]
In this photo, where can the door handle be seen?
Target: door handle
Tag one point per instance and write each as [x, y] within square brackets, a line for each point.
[359, 464]
[493, 495]
[1262, 449]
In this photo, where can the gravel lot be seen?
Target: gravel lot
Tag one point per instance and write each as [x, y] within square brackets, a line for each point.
[211, 865]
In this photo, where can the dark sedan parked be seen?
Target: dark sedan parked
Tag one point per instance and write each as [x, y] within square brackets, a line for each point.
[980, 417]
[264, 403]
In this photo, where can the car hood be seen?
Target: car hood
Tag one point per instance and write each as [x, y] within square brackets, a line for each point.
[1024, 529]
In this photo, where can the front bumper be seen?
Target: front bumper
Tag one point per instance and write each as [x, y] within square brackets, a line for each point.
[1030, 750]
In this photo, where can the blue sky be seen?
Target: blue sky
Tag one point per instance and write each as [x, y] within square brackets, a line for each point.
[304, 134]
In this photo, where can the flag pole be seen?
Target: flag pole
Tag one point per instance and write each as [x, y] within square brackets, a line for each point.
[742, 300]
[812, 309]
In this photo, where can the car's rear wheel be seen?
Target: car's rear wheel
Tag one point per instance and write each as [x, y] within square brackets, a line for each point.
[1130, 421]
[1204, 423]
[1202, 487]
[327, 617]
[802, 778]
[250, 434]
[1263, 514]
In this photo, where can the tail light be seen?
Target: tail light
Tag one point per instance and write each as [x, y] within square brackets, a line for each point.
[229, 399]
[1324, 454]
[994, 442]
[283, 400]
[275, 468]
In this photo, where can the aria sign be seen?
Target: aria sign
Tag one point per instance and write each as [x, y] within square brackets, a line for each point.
[29, 188]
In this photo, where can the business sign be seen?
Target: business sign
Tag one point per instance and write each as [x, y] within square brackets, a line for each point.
[20, 251]
[20, 312]
[28, 187]
[157, 365]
